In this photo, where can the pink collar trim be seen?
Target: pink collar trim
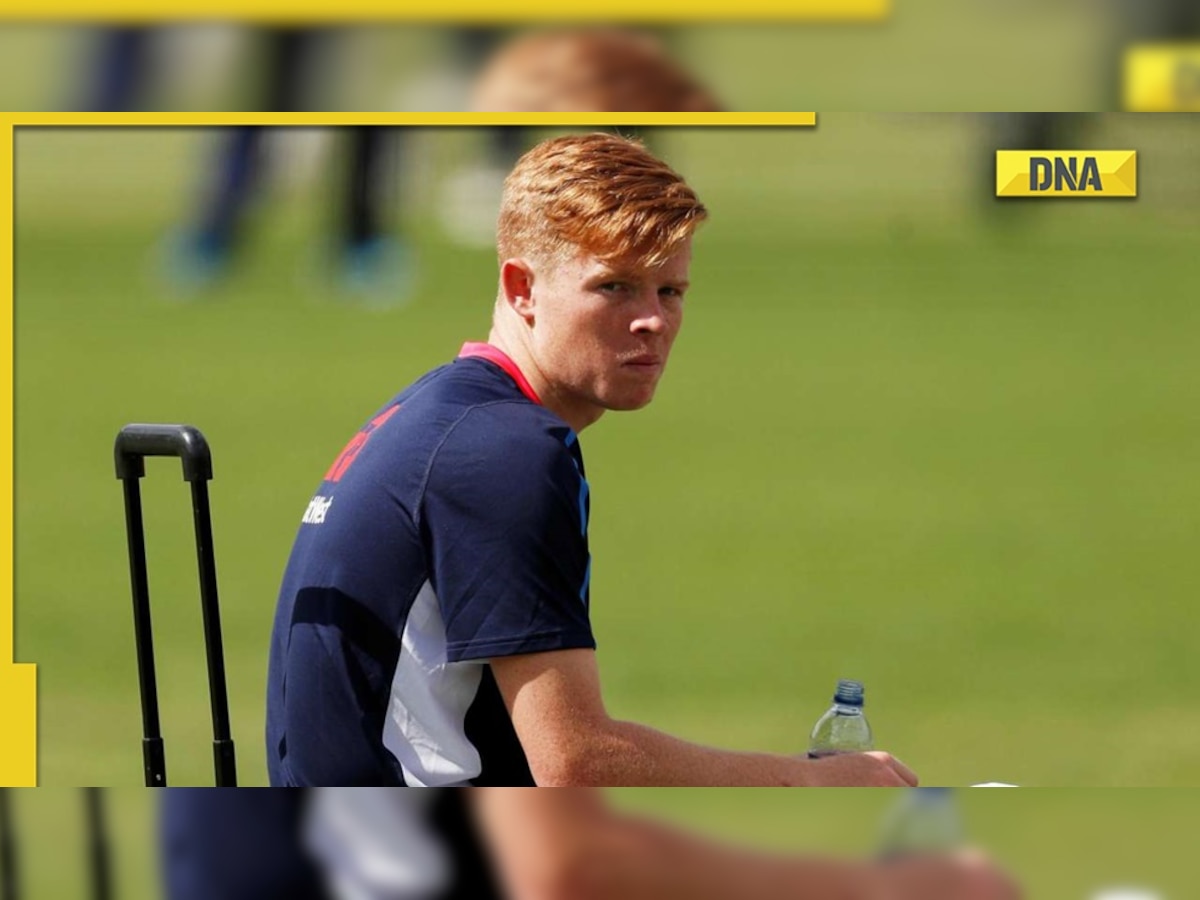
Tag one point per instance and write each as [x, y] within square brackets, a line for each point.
[495, 355]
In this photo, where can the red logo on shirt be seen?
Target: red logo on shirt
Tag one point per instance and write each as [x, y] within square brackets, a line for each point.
[347, 456]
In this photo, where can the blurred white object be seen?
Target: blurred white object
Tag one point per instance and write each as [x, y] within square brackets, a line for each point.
[994, 784]
[374, 844]
[298, 155]
[197, 58]
[442, 90]
[1126, 893]
[470, 205]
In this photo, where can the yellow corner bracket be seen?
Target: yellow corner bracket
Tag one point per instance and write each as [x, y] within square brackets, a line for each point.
[18, 683]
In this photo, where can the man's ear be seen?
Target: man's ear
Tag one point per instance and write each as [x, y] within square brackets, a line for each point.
[516, 286]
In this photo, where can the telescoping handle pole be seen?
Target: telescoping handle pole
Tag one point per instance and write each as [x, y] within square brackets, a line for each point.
[9, 881]
[99, 861]
[133, 444]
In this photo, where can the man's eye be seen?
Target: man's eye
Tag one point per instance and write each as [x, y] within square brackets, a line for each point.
[612, 286]
[670, 292]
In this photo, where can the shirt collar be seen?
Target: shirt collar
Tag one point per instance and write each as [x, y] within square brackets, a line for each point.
[493, 354]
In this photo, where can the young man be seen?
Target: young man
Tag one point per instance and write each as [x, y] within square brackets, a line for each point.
[433, 623]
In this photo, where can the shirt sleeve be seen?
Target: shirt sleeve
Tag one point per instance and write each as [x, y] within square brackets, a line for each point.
[504, 513]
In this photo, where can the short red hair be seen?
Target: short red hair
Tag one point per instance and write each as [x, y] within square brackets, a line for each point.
[599, 193]
[588, 70]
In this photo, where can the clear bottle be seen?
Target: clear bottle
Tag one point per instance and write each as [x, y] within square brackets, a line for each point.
[843, 728]
[1126, 893]
[925, 820]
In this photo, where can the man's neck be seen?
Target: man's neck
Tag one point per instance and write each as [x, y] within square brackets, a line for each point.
[552, 398]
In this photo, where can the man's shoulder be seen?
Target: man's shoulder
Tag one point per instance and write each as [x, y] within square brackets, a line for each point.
[442, 399]
[467, 383]
[488, 405]
[514, 431]
[471, 422]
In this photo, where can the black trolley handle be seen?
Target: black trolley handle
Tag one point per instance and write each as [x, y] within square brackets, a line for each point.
[133, 444]
[99, 856]
[10, 886]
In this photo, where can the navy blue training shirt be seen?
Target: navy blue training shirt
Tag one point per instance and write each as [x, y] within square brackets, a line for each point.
[235, 845]
[366, 843]
[451, 530]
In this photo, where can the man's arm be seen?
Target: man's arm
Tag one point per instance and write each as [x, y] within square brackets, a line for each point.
[569, 739]
[567, 845]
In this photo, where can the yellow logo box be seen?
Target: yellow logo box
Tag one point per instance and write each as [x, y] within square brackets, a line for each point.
[1162, 78]
[1066, 173]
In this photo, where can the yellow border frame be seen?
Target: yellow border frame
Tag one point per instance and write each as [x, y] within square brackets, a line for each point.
[455, 11]
[440, 119]
[18, 681]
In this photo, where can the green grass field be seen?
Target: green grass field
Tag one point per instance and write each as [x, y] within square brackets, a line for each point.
[904, 438]
[1061, 844]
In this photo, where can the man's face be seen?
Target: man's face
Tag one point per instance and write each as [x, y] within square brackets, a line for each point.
[602, 332]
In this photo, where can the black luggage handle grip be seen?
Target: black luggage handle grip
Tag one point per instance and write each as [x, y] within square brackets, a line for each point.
[133, 444]
[136, 442]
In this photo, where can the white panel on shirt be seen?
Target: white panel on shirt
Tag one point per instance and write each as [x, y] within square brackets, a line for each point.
[376, 844]
[425, 726]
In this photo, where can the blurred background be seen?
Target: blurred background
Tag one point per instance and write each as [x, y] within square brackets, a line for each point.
[1060, 844]
[912, 434]
[929, 54]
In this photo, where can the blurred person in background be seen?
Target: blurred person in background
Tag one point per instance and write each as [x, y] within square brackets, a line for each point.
[557, 70]
[433, 624]
[577, 70]
[380, 844]
[289, 71]
[370, 260]
[118, 68]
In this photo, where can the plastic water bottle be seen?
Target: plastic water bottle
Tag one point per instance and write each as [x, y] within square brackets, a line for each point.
[926, 820]
[843, 728]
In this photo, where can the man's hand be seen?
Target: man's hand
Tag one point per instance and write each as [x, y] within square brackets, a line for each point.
[874, 769]
[962, 876]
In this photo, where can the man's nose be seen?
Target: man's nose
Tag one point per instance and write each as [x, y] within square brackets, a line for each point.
[650, 317]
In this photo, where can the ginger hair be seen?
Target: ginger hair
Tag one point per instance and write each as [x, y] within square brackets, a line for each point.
[598, 193]
[588, 70]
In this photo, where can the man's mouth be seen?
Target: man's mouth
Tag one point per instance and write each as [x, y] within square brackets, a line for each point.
[644, 361]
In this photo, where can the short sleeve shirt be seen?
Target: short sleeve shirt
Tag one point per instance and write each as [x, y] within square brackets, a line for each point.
[451, 530]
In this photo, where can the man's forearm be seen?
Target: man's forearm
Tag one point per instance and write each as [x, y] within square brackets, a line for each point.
[629, 754]
[569, 845]
[641, 859]
[617, 754]
[570, 740]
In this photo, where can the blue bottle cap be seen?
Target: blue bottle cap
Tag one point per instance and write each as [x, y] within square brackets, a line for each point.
[849, 693]
[933, 794]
